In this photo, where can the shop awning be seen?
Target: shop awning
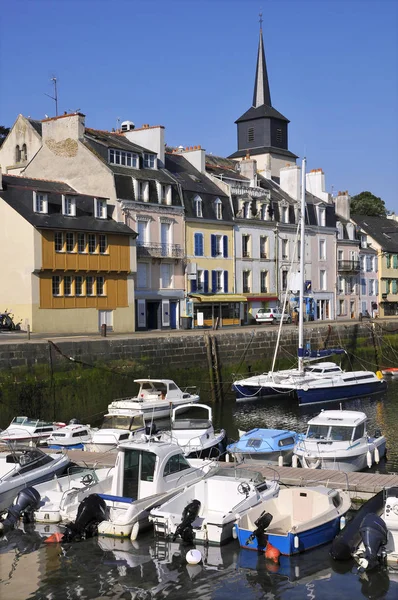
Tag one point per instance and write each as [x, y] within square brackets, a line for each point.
[217, 298]
[261, 298]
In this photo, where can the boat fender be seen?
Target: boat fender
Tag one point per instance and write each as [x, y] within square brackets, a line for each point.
[295, 461]
[377, 456]
[369, 458]
[185, 529]
[342, 522]
[134, 531]
[26, 502]
[272, 553]
[280, 460]
[346, 542]
[379, 375]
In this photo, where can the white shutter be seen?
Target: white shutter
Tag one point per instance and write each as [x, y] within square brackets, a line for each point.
[141, 309]
[166, 313]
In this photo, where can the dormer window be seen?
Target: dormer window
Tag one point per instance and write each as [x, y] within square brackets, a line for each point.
[321, 216]
[198, 206]
[218, 208]
[123, 158]
[100, 209]
[165, 193]
[69, 206]
[40, 202]
[285, 214]
[247, 210]
[149, 161]
[340, 234]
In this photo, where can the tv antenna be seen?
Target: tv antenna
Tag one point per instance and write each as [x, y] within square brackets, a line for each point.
[55, 97]
[118, 120]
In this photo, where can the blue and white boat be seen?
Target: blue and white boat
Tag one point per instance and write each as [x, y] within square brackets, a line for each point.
[71, 437]
[275, 446]
[300, 518]
[320, 382]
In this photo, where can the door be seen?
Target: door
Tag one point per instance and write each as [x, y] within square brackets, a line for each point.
[105, 317]
[173, 315]
[141, 314]
[153, 319]
[164, 238]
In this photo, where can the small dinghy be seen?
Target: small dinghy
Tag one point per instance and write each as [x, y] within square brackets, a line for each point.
[206, 511]
[338, 439]
[300, 518]
[24, 467]
[275, 446]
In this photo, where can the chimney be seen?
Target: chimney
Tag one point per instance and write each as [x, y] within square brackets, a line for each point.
[248, 168]
[342, 205]
[267, 168]
[151, 138]
[290, 181]
[315, 183]
[59, 129]
[197, 157]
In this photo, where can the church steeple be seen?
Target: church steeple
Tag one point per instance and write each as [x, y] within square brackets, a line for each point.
[261, 94]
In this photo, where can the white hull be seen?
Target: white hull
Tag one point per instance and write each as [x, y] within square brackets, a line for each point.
[347, 461]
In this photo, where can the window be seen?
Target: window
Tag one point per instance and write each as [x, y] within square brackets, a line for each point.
[70, 242]
[149, 161]
[246, 281]
[17, 154]
[246, 246]
[100, 286]
[90, 286]
[340, 255]
[388, 260]
[263, 246]
[78, 285]
[119, 157]
[81, 243]
[59, 241]
[363, 286]
[285, 249]
[100, 209]
[219, 245]
[165, 275]
[40, 203]
[24, 152]
[284, 280]
[322, 216]
[142, 227]
[369, 265]
[218, 208]
[263, 282]
[342, 309]
[322, 250]
[285, 214]
[247, 213]
[219, 279]
[165, 194]
[250, 134]
[67, 285]
[198, 244]
[279, 136]
[198, 206]
[322, 279]
[200, 281]
[371, 287]
[68, 206]
[362, 262]
[102, 243]
[175, 464]
[56, 285]
[142, 275]
[341, 285]
[92, 243]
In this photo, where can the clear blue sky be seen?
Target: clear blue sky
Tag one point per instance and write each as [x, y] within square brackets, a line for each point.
[189, 65]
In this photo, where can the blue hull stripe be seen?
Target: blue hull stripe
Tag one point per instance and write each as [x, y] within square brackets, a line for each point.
[111, 498]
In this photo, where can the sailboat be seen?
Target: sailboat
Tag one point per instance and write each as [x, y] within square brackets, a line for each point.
[314, 383]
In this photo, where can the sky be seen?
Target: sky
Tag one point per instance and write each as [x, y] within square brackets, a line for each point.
[190, 65]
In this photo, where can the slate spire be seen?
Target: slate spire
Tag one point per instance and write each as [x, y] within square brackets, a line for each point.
[261, 94]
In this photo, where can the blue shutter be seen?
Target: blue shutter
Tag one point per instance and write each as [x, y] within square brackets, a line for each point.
[214, 281]
[395, 261]
[206, 282]
[394, 286]
[213, 245]
[201, 244]
[388, 259]
[194, 285]
[225, 281]
[196, 244]
[225, 244]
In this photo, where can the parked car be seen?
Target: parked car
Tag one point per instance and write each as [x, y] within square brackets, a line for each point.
[271, 315]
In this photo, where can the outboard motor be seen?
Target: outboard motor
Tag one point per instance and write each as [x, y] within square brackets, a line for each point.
[24, 504]
[262, 523]
[185, 529]
[374, 534]
[92, 511]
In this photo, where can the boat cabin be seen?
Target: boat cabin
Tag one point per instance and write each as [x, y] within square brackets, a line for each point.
[159, 389]
[123, 421]
[323, 368]
[337, 426]
[191, 420]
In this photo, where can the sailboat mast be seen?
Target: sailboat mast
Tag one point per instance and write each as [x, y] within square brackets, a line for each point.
[302, 274]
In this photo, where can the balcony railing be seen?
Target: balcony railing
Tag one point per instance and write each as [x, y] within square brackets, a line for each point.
[156, 250]
[352, 266]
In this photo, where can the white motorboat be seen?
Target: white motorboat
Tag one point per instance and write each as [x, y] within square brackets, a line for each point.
[24, 429]
[155, 399]
[71, 436]
[207, 510]
[26, 466]
[338, 439]
[145, 473]
[116, 428]
[195, 434]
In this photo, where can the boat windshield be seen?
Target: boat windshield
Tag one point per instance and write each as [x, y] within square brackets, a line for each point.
[336, 433]
[341, 433]
[123, 422]
[318, 432]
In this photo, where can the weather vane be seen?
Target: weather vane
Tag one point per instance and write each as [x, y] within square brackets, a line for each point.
[261, 19]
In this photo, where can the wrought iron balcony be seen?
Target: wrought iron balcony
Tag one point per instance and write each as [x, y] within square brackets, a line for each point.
[156, 250]
[351, 266]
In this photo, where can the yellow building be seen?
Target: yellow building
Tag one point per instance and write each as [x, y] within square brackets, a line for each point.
[67, 265]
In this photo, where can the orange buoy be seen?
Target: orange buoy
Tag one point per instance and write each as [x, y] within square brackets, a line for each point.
[272, 553]
[54, 538]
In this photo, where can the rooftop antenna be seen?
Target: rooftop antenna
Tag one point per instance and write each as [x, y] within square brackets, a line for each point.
[55, 97]
[118, 119]
[260, 14]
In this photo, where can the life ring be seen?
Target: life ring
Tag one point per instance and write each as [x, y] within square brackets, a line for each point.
[315, 465]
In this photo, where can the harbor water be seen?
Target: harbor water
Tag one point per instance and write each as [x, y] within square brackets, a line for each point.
[155, 569]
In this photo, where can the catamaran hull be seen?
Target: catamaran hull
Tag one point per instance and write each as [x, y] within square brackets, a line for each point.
[249, 392]
[338, 393]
